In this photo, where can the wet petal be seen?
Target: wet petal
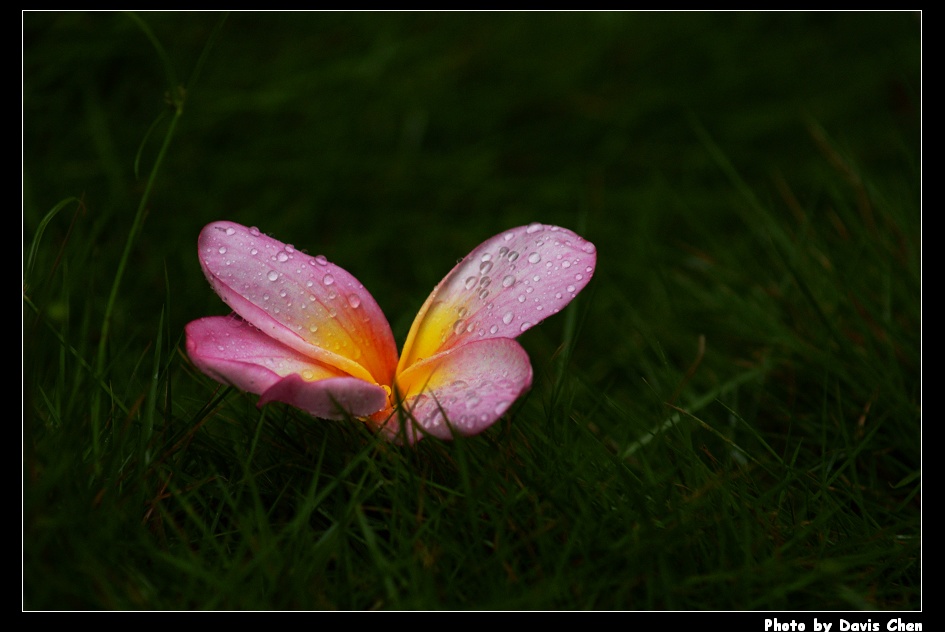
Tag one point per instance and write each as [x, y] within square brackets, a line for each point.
[333, 398]
[305, 302]
[463, 390]
[506, 285]
[232, 351]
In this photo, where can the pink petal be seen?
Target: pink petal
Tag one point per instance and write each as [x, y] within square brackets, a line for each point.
[462, 390]
[506, 285]
[304, 302]
[333, 398]
[232, 351]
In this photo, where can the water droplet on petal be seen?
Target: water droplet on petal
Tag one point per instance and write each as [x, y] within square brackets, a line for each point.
[534, 257]
[493, 329]
[508, 281]
[254, 231]
[222, 250]
[328, 279]
[354, 301]
[484, 267]
[230, 231]
[253, 252]
[525, 326]
[570, 288]
[458, 326]
[321, 260]
[534, 227]
[507, 318]
[501, 407]
[470, 283]
[578, 277]
[273, 275]
[565, 264]
[588, 248]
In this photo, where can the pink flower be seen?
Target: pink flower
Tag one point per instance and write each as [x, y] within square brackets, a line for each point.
[306, 333]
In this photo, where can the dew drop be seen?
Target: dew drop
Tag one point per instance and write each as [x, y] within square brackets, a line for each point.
[507, 318]
[458, 326]
[254, 231]
[570, 288]
[534, 227]
[508, 281]
[483, 294]
[328, 279]
[459, 385]
[308, 374]
[253, 252]
[354, 301]
[578, 277]
[470, 283]
[222, 250]
[484, 267]
[565, 264]
[493, 329]
[525, 326]
[513, 255]
[230, 231]
[273, 275]
[509, 236]
[485, 281]
[321, 260]
[282, 256]
[501, 407]
[534, 257]
[289, 248]
[487, 257]
[589, 248]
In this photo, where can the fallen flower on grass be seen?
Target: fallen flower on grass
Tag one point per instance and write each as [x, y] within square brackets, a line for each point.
[305, 332]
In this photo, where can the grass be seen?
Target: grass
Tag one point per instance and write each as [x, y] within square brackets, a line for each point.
[728, 418]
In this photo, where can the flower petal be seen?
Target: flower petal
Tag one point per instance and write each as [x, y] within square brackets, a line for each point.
[232, 351]
[462, 390]
[305, 302]
[332, 398]
[502, 288]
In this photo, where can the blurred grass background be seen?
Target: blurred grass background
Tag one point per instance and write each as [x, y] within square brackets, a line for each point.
[727, 418]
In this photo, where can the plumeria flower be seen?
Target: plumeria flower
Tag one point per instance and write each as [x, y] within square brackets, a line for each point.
[306, 333]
